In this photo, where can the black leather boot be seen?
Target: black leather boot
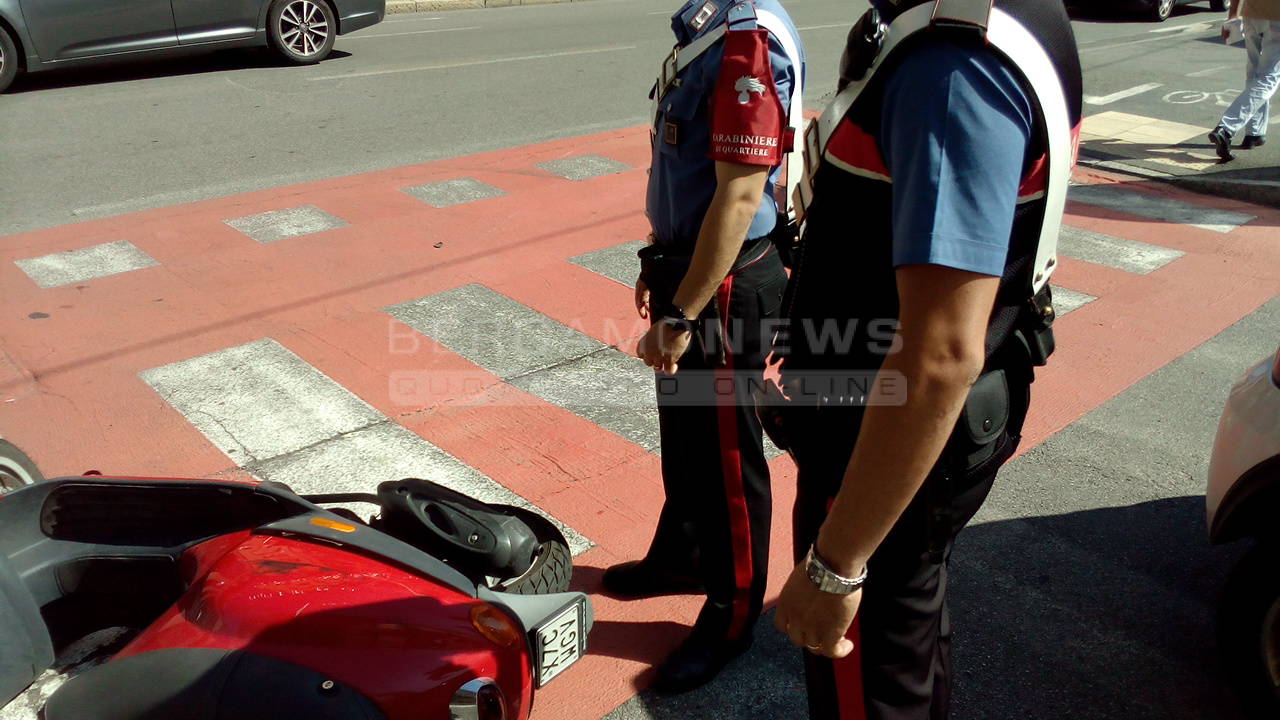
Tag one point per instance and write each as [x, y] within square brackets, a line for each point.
[703, 654]
[649, 578]
[1252, 141]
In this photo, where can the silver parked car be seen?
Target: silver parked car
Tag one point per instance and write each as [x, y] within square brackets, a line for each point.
[46, 34]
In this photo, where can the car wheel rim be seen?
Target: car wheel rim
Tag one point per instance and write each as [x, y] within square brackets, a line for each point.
[304, 28]
[2, 59]
[1166, 6]
[1271, 645]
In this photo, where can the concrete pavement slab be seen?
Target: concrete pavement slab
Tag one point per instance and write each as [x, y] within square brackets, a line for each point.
[73, 266]
[1102, 249]
[1066, 300]
[287, 223]
[584, 167]
[617, 263]
[610, 388]
[259, 400]
[494, 331]
[1159, 208]
[448, 193]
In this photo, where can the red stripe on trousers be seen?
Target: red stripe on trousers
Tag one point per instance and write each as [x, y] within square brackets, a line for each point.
[848, 677]
[851, 703]
[731, 468]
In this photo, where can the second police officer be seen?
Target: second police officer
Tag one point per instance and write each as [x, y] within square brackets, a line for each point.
[918, 309]
[724, 105]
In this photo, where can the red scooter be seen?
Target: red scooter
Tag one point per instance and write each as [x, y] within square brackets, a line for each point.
[216, 600]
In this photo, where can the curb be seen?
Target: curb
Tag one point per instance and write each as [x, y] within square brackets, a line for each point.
[410, 6]
[1258, 192]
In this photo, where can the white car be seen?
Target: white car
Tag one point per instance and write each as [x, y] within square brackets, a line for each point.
[1243, 501]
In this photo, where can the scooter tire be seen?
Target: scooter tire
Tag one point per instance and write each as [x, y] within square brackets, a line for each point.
[552, 567]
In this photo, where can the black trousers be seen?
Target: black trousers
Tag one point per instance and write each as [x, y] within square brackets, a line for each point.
[718, 503]
[900, 668]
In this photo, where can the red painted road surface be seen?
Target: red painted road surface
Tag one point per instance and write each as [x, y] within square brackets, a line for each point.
[70, 392]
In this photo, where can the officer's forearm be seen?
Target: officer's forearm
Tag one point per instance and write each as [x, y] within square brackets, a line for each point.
[739, 191]
[940, 352]
[896, 448]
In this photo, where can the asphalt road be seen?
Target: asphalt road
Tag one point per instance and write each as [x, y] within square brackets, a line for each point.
[89, 143]
[93, 143]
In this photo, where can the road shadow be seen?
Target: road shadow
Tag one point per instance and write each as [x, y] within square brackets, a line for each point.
[176, 65]
[1104, 614]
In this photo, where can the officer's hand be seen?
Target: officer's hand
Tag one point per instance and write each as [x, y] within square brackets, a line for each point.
[662, 347]
[642, 298]
[814, 620]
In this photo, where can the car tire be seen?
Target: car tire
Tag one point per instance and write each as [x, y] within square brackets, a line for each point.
[302, 31]
[1161, 9]
[552, 567]
[1249, 630]
[1218, 5]
[10, 63]
[16, 468]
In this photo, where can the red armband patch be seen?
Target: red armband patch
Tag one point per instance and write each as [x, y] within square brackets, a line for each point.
[747, 119]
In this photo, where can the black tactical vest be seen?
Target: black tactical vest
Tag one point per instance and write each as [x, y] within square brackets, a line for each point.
[843, 289]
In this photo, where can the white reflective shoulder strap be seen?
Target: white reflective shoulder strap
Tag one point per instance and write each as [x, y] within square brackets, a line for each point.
[677, 61]
[1015, 41]
[818, 132]
[795, 116]
[907, 24]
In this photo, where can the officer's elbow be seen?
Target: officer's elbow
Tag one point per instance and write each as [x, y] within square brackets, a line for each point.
[954, 364]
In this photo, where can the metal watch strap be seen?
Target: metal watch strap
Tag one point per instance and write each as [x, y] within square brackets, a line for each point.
[826, 579]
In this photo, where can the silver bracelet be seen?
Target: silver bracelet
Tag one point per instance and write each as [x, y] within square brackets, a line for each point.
[828, 580]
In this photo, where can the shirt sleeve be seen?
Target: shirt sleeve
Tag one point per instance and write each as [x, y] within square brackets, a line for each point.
[747, 117]
[956, 124]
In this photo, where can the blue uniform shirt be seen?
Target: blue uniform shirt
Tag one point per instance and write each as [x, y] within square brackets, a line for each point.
[955, 126]
[682, 176]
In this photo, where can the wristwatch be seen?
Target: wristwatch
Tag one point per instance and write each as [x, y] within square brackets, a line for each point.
[826, 579]
[673, 316]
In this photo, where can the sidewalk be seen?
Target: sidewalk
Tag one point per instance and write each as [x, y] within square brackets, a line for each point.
[1180, 154]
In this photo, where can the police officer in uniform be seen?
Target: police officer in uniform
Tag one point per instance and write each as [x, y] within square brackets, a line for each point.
[918, 309]
[709, 282]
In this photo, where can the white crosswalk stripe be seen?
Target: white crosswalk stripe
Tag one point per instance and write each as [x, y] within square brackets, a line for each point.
[1101, 249]
[90, 263]
[281, 419]
[1159, 208]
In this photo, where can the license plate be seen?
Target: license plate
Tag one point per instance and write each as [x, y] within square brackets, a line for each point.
[558, 643]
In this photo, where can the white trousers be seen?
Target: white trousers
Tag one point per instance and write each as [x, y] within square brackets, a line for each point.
[1262, 76]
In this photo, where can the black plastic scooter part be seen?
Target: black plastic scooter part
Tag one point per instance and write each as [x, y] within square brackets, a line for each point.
[25, 647]
[205, 684]
[477, 538]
